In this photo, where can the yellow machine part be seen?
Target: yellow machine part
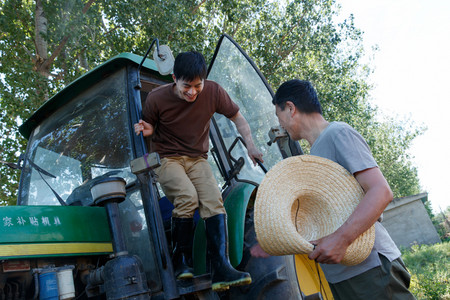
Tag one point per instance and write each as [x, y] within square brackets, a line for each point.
[311, 278]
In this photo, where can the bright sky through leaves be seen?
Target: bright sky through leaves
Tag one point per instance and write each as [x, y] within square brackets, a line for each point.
[411, 77]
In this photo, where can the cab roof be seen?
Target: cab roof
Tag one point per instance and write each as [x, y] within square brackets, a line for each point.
[83, 83]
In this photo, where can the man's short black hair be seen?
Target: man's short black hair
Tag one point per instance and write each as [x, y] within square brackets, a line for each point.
[299, 92]
[190, 66]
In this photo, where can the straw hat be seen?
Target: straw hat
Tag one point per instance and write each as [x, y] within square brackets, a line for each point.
[304, 198]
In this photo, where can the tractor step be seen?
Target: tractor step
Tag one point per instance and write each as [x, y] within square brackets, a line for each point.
[195, 284]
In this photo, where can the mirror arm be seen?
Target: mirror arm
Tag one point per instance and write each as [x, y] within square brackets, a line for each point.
[138, 83]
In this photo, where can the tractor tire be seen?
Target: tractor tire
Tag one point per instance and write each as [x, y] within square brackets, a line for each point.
[273, 278]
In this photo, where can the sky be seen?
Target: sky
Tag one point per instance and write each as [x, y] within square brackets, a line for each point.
[412, 67]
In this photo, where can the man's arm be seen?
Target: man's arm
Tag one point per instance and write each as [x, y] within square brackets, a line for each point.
[331, 249]
[257, 251]
[244, 130]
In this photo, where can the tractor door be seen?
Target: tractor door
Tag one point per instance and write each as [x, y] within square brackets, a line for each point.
[238, 75]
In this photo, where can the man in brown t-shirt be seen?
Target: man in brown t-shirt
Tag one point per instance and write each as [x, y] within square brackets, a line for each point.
[177, 116]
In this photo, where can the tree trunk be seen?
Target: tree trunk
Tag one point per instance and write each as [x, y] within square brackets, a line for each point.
[40, 33]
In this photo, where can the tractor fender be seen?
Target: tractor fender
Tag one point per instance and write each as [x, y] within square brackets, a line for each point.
[236, 204]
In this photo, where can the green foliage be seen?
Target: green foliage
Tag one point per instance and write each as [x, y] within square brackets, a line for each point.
[429, 266]
[389, 141]
[286, 39]
[441, 222]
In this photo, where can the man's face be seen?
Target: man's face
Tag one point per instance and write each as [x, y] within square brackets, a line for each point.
[188, 90]
[285, 119]
[283, 116]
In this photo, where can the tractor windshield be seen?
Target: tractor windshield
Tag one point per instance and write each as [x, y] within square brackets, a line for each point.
[82, 141]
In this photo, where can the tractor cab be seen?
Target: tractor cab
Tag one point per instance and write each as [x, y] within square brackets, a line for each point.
[84, 136]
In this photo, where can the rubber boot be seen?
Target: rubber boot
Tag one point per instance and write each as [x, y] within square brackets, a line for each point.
[182, 234]
[222, 272]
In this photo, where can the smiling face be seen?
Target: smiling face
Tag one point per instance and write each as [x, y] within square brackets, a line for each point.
[188, 90]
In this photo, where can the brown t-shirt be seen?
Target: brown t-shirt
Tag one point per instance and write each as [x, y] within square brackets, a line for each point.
[181, 127]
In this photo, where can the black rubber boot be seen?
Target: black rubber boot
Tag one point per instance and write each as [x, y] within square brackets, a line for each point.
[222, 272]
[182, 234]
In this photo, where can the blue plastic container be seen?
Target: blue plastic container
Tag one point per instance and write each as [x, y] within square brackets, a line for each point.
[48, 286]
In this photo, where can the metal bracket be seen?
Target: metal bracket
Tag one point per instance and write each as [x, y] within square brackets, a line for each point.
[275, 133]
[145, 163]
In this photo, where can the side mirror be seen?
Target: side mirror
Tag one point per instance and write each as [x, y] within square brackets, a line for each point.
[164, 59]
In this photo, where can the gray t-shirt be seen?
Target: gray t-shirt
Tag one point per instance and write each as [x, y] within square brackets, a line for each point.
[341, 143]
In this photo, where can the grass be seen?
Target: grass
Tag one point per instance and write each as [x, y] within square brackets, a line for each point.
[429, 266]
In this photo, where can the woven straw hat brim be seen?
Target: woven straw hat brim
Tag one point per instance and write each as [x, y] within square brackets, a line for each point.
[304, 198]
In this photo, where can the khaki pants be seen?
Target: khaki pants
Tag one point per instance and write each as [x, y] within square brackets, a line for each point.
[190, 184]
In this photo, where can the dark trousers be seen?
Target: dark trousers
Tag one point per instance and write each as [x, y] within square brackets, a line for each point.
[390, 280]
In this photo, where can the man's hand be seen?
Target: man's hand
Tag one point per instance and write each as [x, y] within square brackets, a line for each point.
[255, 154]
[144, 127]
[257, 251]
[329, 249]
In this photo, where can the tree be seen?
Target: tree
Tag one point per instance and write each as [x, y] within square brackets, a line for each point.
[441, 222]
[38, 44]
[47, 44]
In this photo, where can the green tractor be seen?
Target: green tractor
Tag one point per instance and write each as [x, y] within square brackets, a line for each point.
[91, 221]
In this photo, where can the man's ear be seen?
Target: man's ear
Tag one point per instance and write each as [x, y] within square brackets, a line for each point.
[291, 107]
[174, 78]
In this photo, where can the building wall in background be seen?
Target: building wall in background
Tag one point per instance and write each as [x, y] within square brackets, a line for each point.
[408, 222]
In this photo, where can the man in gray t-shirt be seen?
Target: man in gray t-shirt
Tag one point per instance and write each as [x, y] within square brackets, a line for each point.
[382, 275]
